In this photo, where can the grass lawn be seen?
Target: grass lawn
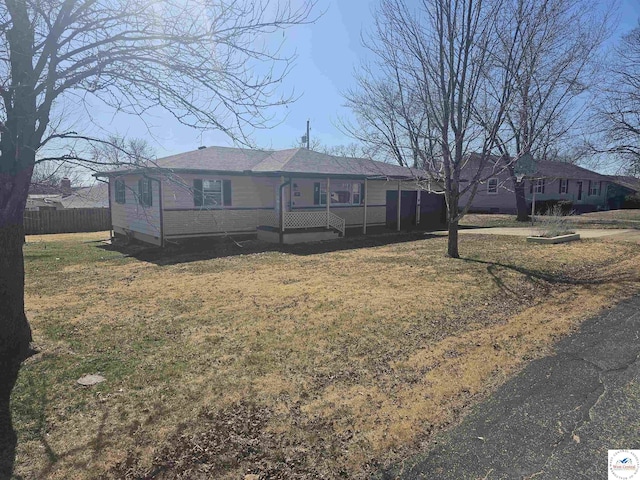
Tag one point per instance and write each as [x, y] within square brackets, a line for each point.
[607, 219]
[323, 361]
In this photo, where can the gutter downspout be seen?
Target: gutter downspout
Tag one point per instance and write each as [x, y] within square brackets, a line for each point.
[281, 200]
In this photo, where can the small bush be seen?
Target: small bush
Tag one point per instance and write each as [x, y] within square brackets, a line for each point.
[543, 207]
[554, 223]
[632, 201]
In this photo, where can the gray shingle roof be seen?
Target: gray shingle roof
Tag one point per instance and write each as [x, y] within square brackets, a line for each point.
[95, 196]
[632, 183]
[549, 169]
[291, 161]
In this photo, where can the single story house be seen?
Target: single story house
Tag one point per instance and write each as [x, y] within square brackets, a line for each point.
[552, 181]
[286, 196]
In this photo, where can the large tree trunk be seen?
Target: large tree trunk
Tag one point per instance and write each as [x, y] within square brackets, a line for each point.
[452, 244]
[15, 333]
[521, 201]
[452, 214]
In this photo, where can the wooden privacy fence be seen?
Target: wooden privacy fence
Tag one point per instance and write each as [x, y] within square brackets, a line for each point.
[67, 221]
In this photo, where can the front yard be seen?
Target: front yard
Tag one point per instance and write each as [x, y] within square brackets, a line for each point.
[302, 363]
[605, 219]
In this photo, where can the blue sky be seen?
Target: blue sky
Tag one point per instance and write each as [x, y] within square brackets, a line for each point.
[328, 52]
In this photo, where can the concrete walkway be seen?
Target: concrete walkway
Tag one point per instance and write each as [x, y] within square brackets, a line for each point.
[628, 235]
[557, 418]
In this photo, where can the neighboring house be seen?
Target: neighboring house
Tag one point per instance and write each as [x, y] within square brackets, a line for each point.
[218, 190]
[44, 196]
[623, 187]
[43, 201]
[552, 181]
[94, 196]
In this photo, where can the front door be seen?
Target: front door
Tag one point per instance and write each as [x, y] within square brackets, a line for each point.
[579, 190]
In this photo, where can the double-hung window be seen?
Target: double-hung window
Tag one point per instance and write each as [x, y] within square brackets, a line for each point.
[120, 191]
[537, 186]
[594, 188]
[356, 196]
[564, 185]
[211, 192]
[492, 186]
[145, 192]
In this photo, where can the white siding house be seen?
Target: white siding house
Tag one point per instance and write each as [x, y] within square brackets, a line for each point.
[223, 191]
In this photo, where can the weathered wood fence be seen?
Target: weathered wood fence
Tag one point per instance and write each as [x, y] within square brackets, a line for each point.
[67, 221]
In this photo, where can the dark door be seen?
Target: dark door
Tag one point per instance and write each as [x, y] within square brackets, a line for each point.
[407, 209]
[433, 212]
[579, 190]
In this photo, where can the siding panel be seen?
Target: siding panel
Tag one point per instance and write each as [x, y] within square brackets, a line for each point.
[256, 192]
[200, 222]
[131, 215]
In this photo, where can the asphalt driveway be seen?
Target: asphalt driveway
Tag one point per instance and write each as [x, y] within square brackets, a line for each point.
[556, 419]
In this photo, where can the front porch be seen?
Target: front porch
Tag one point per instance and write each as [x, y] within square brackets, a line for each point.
[301, 227]
[312, 209]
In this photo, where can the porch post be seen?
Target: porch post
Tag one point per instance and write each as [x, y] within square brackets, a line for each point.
[533, 205]
[418, 195]
[364, 219]
[399, 201]
[281, 200]
[328, 199]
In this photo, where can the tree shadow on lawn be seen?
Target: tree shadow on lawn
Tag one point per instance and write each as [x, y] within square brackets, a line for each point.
[36, 412]
[561, 278]
[206, 249]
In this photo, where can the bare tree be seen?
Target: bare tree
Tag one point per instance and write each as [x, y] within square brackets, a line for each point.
[51, 174]
[618, 117]
[119, 151]
[352, 150]
[212, 65]
[386, 115]
[559, 46]
[429, 100]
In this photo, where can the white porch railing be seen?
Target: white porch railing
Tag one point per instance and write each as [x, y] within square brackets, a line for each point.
[336, 222]
[313, 220]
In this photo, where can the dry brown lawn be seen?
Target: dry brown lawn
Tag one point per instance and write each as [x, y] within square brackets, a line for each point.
[301, 363]
[606, 219]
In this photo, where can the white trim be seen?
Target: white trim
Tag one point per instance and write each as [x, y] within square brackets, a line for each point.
[538, 187]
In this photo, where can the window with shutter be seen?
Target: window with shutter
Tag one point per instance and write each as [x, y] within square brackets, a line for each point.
[120, 191]
[145, 192]
[211, 192]
[539, 186]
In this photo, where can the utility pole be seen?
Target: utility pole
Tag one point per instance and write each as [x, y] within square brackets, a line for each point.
[308, 134]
